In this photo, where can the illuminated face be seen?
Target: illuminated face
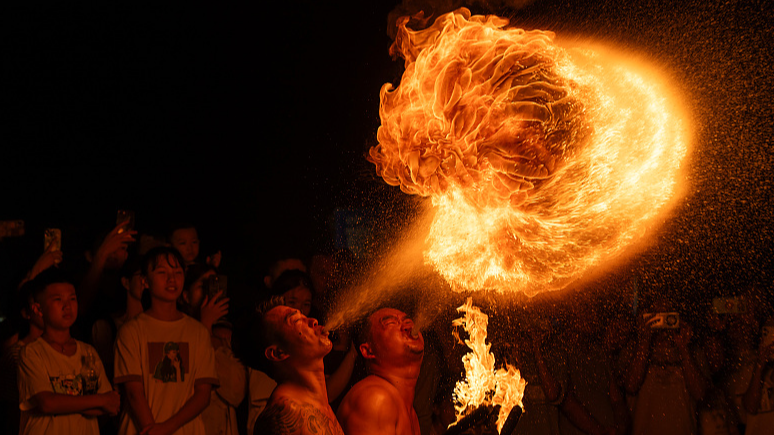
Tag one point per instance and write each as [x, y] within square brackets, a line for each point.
[136, 286]
[302, 335]
[165, 282]
[391, 337]
[58, 306]
[186, 240]
[299, 298]
[196, 292]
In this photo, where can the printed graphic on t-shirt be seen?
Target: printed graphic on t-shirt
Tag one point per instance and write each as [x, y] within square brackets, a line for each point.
[72, 385]
[169, 361]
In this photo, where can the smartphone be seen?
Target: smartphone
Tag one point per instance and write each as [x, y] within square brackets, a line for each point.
[217, 283]
[125, 218]
[52, 235]
[11, 228]
[665, 321]
[733, 305]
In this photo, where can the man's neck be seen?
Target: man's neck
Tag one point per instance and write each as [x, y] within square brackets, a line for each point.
[133, 307]
[310, 379]
[404, 379]
[57, 336]
[164, 310]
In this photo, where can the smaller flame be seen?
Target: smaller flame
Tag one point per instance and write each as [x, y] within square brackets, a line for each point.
[483, 385]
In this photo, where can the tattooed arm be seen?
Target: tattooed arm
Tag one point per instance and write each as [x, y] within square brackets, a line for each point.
[285, 416]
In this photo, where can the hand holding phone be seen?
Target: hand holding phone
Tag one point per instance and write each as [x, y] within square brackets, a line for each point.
[125, 219]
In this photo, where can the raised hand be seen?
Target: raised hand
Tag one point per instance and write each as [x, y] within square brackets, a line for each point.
[213, 308]
[117, 238]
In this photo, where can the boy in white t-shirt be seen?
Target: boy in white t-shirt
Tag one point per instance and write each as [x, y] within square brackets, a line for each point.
[62, 384]
[164, 359]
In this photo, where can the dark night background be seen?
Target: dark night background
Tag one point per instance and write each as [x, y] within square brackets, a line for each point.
[254, 122]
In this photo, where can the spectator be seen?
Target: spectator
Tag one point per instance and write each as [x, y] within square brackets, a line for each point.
[758, 400]
[164, 359]
[210, 307]
[665, 376]
[185, 239]
[55, 393]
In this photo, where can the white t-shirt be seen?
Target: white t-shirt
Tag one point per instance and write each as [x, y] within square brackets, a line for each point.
[220, 417]
[41, 369]
[261, 386]
[169, 358]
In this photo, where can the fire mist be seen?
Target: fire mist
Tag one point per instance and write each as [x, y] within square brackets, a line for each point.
[542, 160]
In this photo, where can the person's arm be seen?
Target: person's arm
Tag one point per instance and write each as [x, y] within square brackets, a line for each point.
[87, 290]
[371, 411]
[551, 387]
[638, 367]
[91, 404]
[695, 382]
[338, 380]
[621, 415]
[190, 410]
[138, 404]
[752, 397]
[50, 257]
[579, 416]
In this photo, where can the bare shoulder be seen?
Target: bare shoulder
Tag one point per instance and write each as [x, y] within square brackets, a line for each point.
[370, 407]
[285, 415]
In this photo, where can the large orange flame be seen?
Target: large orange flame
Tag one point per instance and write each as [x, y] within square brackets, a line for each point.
[541, 161]
[483, 385]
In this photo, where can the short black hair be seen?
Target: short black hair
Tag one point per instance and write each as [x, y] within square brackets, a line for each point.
[52, 275]
[179, 225]
[289, 280]
[151, 259]
[253, 335]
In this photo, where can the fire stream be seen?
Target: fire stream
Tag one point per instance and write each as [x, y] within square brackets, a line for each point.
[483, 385]
[541, 161]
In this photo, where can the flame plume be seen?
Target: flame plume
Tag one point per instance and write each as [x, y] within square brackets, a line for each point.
[541, 161]
[483, 385]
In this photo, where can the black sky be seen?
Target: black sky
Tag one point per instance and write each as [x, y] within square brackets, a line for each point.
[256, 120]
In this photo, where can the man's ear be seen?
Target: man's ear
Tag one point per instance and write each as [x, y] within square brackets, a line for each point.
[267, 281]
[145, 283]
[125, 282]
[275, 353]
[185, 297]
[367, 351]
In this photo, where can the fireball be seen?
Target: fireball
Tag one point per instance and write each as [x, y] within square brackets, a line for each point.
[541, 161]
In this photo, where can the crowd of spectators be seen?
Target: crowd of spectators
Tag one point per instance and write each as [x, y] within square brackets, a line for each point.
[146, 311]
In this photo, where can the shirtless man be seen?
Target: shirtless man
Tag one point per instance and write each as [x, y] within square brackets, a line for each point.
[289, 347]
[382, 403]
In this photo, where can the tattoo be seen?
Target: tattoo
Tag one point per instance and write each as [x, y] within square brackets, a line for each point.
[289, 417]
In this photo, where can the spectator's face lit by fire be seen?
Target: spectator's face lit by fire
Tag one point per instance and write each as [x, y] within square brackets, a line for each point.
[186, 240]
[165, 281]
[57, 306]
[299, 298]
